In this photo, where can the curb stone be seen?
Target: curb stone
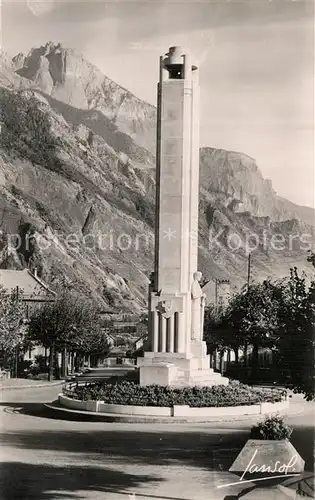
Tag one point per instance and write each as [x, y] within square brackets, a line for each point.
[55, 410]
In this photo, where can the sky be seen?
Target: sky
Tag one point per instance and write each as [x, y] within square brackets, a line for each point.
[256, 60]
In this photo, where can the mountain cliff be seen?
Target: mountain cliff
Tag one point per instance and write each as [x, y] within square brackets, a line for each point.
[77, 187]
[235, 180]
[66, 76]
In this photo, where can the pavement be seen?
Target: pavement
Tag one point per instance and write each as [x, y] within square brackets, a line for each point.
[50, 459]
[24, 383]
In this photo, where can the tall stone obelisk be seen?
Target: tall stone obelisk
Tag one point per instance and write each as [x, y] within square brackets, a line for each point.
[176, 354]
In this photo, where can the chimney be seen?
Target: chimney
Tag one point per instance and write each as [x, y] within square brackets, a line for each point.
[35, 272]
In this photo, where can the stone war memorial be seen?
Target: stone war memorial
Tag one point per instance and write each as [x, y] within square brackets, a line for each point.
[175, 353]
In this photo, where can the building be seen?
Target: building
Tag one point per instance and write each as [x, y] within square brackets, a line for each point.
[34, 294]
[34, 291]
[123, 328]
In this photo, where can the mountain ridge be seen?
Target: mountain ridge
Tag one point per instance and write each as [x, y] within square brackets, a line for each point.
[50, 49]
[67, 76]
[66, 170]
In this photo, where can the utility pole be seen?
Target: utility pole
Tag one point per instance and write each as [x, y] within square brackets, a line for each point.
[248, 271]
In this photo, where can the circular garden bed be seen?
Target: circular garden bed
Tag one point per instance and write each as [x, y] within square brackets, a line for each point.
[125, 392]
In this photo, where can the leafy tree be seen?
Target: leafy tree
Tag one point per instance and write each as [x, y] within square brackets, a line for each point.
[253, 316]
[12, 325]
[279, 315]
[218, 329]
[218, 334]
[296, 333]
[70, 323]
[88, 336]
[250, 319]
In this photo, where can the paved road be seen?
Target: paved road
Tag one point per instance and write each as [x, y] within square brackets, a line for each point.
[47, 459]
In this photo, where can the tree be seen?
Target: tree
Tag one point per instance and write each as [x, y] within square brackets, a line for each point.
[278, 315]
[218, 332]
[253, 318]
[71, 323]
[89, 337]
[296, 333]
[12, 325]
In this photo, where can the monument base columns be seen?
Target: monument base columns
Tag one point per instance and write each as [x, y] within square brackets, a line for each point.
[170, 334]
[163, 332]
[180, 338]
[178, 357]
[154, 332]
[166, 328]
[186, 327]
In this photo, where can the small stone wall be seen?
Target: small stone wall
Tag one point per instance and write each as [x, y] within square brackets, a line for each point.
[175, 411]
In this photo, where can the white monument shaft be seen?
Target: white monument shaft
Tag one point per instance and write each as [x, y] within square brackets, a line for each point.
[176, 354]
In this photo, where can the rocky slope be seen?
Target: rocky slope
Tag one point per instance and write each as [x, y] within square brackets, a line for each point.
[83, 95]
[235, 180]
[77, 188]
[66, 76]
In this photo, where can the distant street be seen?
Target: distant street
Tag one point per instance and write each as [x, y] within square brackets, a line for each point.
[45, 459]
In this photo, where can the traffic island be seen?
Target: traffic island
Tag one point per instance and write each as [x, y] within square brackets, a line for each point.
[127, 401]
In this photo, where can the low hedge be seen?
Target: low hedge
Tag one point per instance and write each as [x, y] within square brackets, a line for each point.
[131, 393]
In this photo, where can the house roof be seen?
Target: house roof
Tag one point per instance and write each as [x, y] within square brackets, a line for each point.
[32, 286]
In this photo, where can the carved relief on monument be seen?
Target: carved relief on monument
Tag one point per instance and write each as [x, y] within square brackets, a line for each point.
[165, 308]
[166, 305]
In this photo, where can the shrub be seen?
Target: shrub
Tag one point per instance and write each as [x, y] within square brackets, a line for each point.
[126, 392]
[272, 428]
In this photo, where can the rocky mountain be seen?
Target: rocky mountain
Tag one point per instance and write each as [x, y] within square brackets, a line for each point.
[77, 188]
[66, 76]
[235, 180]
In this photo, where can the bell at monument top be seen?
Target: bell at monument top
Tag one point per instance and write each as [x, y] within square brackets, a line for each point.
[175, 56]
[174, 62]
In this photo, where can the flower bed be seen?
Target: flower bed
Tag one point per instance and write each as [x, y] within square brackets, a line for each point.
[131, 393]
